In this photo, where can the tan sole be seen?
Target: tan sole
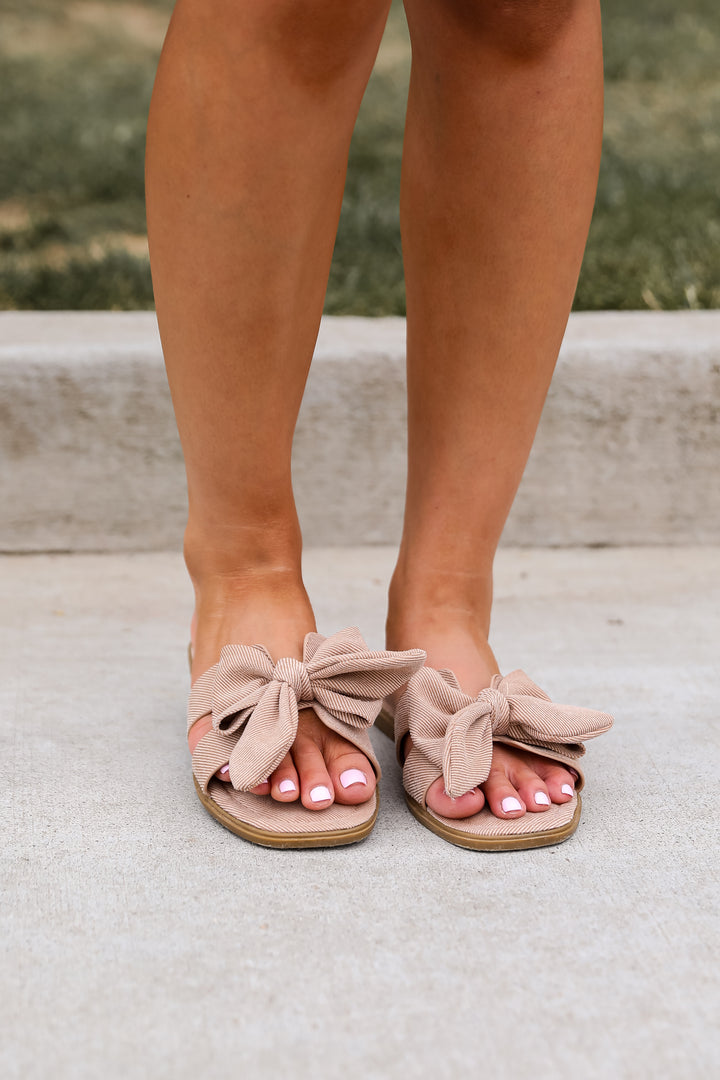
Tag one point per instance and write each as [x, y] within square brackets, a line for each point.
[495, 843]
[332, 838]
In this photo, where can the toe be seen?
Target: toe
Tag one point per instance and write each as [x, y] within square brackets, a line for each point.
[464, 806]
[560, 782]
[531, 789]
[502, 798]
[316, 787]
[196, 733]
[284, 782]
[352, 775]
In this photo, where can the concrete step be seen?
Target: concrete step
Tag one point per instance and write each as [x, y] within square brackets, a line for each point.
[142, 940]
[627, 451]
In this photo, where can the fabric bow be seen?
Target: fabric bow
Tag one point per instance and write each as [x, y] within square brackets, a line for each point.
[455, 731]
[343, 681]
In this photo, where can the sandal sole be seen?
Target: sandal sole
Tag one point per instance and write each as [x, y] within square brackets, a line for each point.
[265, 838]
[473, 842]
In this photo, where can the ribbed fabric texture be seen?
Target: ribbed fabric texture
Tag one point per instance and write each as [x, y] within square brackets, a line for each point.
[255, 702]
[452, 733]
[264, 812]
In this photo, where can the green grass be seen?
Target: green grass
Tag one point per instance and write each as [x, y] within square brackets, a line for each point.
[655, 232]
[75, 83]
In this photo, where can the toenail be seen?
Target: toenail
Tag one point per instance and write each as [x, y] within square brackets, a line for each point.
[352, 776]
[286, 785]
[542, 799]
[567, 789]
[320, 794]
[225, 770]
[511, 804]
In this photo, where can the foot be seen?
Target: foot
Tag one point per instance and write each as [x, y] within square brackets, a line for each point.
[273, 610]
[519, 782]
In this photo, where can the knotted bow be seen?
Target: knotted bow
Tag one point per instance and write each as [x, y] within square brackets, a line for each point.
[343, 681]
[455, 731]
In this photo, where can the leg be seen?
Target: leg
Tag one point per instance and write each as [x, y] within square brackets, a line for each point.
[248, 135]
[500, 165]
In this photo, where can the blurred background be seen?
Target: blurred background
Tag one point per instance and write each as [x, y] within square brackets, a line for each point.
[74, 91]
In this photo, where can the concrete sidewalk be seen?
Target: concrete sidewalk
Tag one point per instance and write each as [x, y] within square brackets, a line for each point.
[144, 941]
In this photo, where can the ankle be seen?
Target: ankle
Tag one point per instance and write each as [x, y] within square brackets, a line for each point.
[248, 589]
[446, 613]
[268, 606]
[440, 596]
[234, 558]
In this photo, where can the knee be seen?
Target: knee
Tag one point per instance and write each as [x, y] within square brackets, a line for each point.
[317, 41]
[520, 28]
[325, 40]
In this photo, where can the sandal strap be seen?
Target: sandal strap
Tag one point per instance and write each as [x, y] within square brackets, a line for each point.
[213, 751]
[248, 695]
[452, 733]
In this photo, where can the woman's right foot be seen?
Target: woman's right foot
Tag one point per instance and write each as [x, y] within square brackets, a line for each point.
[270, 607]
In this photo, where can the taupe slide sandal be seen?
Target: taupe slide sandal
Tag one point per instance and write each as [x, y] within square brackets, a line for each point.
[452, 736]
[255, 702]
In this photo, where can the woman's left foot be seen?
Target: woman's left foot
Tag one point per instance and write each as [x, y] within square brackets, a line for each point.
[519, 782]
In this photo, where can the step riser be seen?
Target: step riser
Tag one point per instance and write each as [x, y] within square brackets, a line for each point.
[627, 451]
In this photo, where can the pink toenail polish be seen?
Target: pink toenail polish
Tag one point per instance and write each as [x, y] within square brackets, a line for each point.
[225, 771]
[320, 794]
[567, 790]
[286, 785]
[511, 804]
[352, 776]
[542, 799]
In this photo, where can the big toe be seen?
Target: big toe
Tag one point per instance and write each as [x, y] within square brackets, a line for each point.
[352, 775]
[463, 806]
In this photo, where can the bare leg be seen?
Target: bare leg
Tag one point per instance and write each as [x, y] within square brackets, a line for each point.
[500, 167]
[248, 135]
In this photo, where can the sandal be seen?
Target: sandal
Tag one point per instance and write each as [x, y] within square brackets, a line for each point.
[254, 703]
[452, 736]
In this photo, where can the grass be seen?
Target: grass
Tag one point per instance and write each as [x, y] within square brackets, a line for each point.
[75, 85]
